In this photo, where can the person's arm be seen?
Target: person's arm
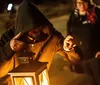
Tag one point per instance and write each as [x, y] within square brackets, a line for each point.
[5, 50]
[69, 23]
[71, 56]
[9, 44]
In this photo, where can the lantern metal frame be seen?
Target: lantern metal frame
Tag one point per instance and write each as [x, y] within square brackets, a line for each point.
[31, 70]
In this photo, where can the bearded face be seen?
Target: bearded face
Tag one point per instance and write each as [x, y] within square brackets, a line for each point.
[34, 36]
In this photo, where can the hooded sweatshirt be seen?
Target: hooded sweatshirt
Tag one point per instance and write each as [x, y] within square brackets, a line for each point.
[28, 17]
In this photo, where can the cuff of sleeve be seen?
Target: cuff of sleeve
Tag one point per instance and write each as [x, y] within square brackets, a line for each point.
[8, 51]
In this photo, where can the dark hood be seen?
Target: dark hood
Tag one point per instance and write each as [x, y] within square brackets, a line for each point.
[29, 17]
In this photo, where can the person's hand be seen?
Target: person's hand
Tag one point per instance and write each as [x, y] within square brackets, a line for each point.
[97, 55]
[69, 43]
[16, 44]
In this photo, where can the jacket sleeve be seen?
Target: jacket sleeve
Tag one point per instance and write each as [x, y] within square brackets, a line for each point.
[6, 52]
[69, 22]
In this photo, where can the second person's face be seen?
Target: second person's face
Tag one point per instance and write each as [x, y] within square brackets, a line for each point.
[81, 5]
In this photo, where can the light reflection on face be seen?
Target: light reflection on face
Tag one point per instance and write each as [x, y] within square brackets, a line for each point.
[35, 32]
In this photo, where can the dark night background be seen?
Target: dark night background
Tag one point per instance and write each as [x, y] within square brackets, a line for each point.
[46, 3]
[4, 3]
[50, 8]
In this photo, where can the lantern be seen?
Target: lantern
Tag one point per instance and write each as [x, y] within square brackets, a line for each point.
[33, 73]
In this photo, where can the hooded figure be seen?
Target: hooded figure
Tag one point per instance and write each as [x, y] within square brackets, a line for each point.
[42, 47]
[29, 17]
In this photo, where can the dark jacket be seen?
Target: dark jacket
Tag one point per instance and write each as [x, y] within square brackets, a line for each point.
[86, 34]
[87, 38]
[5, 51]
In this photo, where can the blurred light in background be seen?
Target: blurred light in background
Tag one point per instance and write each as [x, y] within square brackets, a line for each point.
[10, 6]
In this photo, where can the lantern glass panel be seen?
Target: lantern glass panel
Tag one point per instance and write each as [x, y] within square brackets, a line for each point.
[43, 78]
[23, 81]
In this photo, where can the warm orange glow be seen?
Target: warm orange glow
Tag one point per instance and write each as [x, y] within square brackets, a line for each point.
[29, 80]
[33, 73]
[23, 81]
[43, 78]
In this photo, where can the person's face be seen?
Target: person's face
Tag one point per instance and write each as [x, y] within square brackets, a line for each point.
[81, 5]
[35, 32]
